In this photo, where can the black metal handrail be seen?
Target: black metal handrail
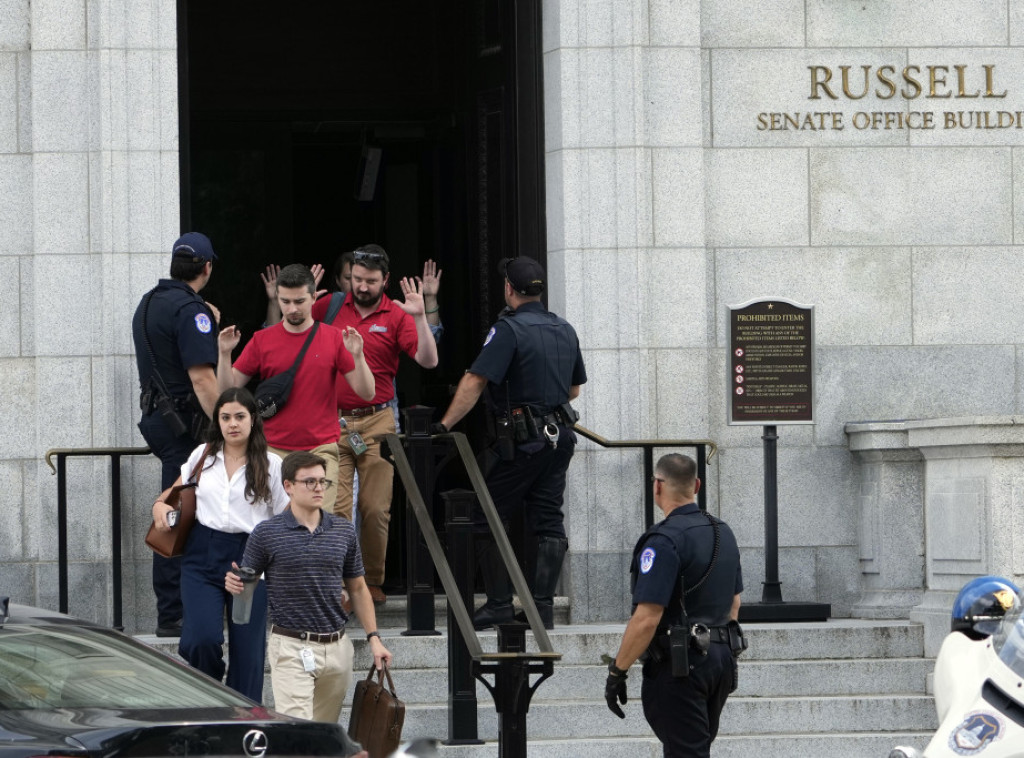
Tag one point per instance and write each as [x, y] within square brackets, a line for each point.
[647, 446]
[115, 454]
[426, 523]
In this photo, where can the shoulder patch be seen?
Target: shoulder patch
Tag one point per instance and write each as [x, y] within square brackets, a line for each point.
[647, 560]
[203, 323]
[490, 336]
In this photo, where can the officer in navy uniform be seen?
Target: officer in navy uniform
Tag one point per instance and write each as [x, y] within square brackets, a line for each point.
[532, 367]
[175, 334]
[689, 660]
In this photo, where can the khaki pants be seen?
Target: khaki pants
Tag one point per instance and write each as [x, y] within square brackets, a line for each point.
[376, 479]
[330, 454]
[316, 694]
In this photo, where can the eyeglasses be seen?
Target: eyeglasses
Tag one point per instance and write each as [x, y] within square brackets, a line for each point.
[312, 484]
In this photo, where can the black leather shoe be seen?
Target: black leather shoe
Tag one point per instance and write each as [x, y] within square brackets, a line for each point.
[170, 630]
[491, 613]
[547, 616]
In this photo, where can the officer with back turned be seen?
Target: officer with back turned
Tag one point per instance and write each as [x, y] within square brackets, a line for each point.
[175, 334]
[532, 367]
[689, 649]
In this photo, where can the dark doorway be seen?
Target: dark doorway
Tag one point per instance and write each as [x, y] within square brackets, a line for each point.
[288, 113]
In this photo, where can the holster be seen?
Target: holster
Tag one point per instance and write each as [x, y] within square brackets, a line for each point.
[737, 642]
[504, 439]
[569, 415]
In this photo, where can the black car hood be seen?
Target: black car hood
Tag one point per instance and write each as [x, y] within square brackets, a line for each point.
[205, 732]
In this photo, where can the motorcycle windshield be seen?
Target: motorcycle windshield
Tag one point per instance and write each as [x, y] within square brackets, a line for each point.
[1009, 640]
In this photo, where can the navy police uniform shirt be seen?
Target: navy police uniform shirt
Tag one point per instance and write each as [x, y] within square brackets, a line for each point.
[534, 356]
[683, 542]
[182, 334]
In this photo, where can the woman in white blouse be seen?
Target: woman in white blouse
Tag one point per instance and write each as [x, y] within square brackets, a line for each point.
[239, 486]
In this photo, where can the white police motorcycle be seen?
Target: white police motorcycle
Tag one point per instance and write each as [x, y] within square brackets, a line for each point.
[979, 676]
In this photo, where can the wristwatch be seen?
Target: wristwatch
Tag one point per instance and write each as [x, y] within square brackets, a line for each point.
[372, 634]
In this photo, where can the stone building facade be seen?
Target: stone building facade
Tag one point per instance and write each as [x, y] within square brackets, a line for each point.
[694, 160]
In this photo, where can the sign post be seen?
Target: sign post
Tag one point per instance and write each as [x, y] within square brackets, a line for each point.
[771, 382]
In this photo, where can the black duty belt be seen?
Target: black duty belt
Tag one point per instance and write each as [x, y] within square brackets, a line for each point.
[308, 636]
[541, 419]
[366, 410]
[718, 634]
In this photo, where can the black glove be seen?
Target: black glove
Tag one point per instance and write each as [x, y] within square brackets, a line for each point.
[438, 428]
[615, 689]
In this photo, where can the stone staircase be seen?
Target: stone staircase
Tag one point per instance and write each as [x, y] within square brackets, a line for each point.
[843, 688]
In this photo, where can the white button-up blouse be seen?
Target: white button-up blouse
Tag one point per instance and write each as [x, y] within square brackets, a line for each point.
[221, 503]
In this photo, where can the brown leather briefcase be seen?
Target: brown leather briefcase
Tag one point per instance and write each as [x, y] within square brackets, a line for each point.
[377, 715]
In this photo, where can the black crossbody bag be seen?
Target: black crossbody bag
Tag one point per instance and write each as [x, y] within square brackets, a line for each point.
[272, 393]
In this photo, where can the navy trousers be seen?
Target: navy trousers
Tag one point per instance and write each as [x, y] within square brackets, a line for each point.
[172, 452]
[534, 479]
[208, 556]
[684, 712]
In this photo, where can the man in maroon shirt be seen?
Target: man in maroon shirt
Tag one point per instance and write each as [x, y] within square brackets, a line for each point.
[388, 328]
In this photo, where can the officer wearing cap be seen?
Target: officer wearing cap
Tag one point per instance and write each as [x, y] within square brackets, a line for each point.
[532, 367]
[689, 654]
[175, 336]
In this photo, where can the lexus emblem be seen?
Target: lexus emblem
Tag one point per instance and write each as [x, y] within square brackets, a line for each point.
[254, 743]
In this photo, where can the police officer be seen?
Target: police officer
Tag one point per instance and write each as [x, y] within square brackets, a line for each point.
[689, 655]
[175, 336]
[532, 367]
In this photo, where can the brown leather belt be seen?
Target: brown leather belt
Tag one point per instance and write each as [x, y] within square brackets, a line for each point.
[308, 636]
[367, 410]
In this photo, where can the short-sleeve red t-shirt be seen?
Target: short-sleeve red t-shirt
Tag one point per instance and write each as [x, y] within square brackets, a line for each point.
[310, 417]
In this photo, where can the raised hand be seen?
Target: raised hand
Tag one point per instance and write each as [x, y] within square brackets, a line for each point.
[431, 279]
[318, 275]
[269, 277]
[413, 303]
[228, 339]
[353, 340]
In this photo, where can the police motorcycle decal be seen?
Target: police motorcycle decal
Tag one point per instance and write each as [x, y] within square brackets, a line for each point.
[203, 323]
[976, 732]
[647, 560]
[490, 336]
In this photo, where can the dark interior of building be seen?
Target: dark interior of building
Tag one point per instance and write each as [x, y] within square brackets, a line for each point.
[308, 130]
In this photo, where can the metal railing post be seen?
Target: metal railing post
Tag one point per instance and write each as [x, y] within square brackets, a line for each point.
[115, 538]
[419, 591]
[62, 534]
[116, 550]
[462, 701]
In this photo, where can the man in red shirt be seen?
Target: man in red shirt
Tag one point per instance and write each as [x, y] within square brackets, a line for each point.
[387, 328]
[308, 421]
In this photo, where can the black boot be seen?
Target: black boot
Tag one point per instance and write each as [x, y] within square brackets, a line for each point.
[550, 554]
[498, 608]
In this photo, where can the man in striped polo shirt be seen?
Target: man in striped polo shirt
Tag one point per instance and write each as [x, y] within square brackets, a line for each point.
[308, 555]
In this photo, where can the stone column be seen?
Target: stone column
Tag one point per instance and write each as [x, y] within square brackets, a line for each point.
[891, 519]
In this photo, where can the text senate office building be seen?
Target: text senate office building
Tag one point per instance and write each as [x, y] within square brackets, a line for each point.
[668, 160]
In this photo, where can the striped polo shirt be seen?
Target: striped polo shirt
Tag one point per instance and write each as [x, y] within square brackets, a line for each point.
[304, 570]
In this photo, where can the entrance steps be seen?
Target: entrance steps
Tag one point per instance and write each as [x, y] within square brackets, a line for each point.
[843, 688]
